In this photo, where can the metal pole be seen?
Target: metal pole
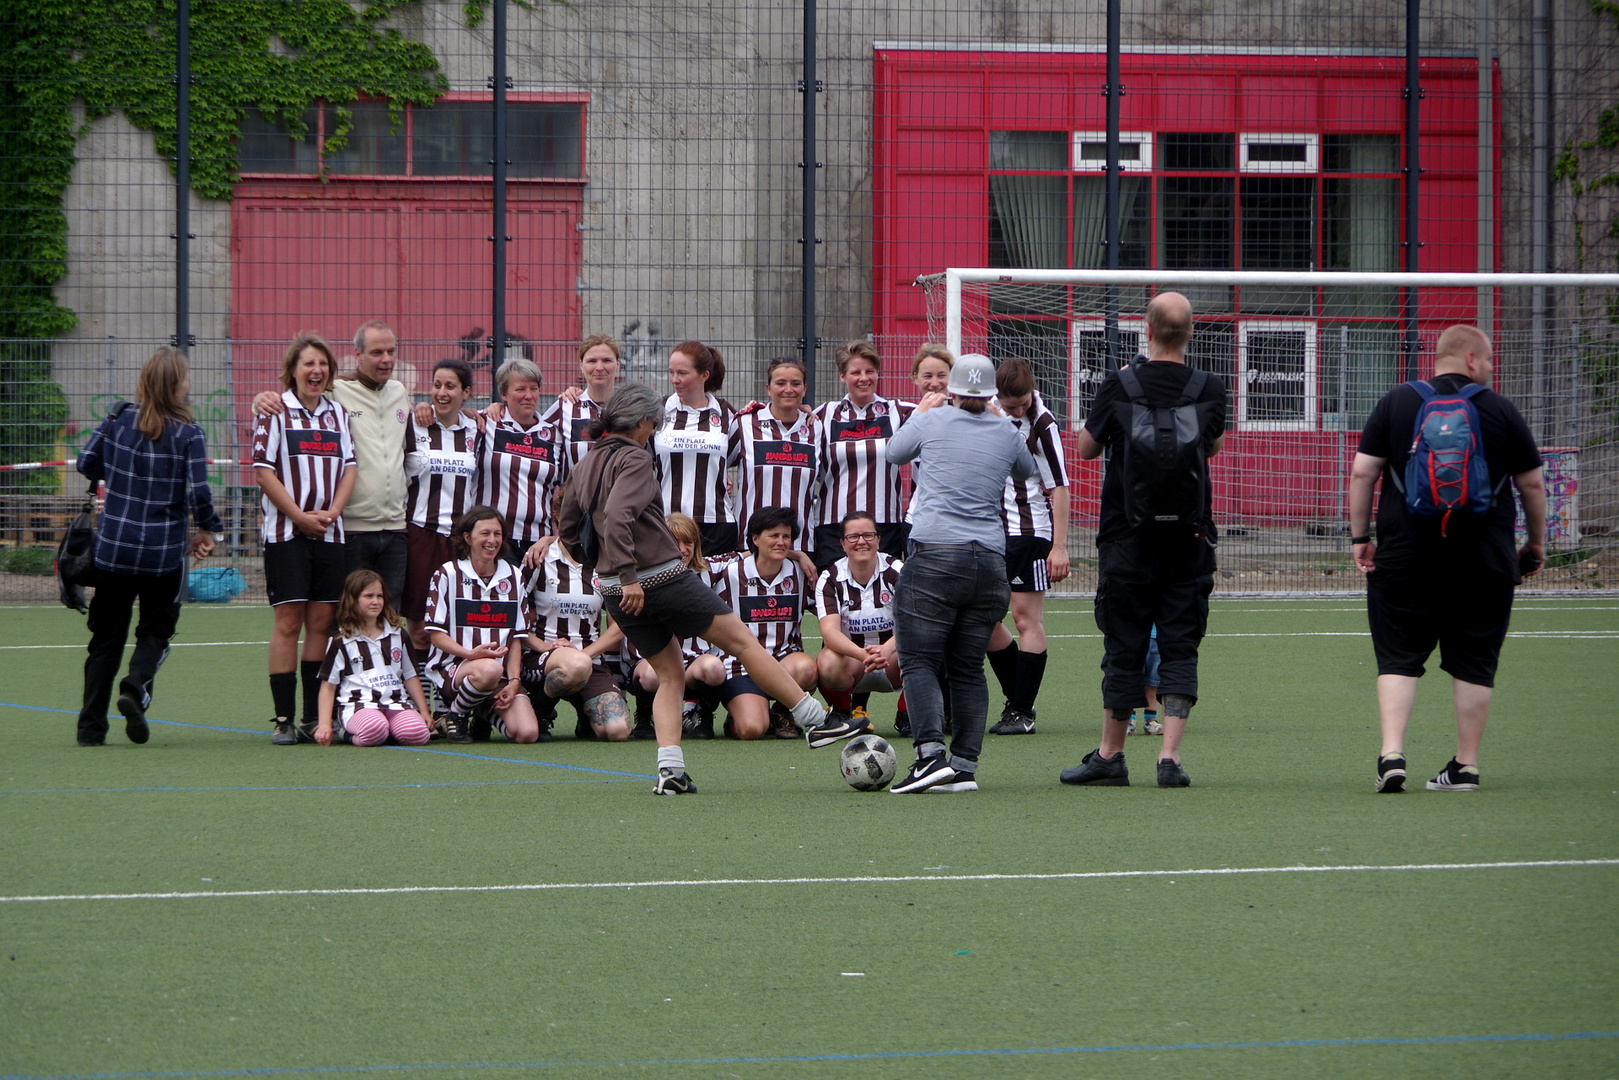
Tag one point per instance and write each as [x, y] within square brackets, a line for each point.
[1540, 197]
[1413, 170]
[1110, 205]
[497, 340]
[182, 176]
[809, 87]
[1486, 162]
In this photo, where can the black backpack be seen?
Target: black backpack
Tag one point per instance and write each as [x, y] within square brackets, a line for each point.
[1164, 469]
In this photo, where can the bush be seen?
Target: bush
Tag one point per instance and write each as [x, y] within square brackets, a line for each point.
[26, 560]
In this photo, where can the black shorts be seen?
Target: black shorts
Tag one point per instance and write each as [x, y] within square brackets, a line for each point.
[1026, 563]
[682, 608]
[1466, 618]
[303, 570]
[738, 685]
[891, 541]
[719, 537]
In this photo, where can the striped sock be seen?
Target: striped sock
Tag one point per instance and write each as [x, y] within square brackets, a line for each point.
[468, 697]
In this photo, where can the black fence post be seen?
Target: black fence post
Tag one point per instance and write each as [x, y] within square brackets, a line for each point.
[1110, 210]
[182, 176]
[809, 87]
[498, 82]
[1413, 114]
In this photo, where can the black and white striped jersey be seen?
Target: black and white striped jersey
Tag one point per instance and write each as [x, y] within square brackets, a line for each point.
[854, 469]
[572, 423]
[867, 610]
[517, 469]
[441, 469]
[369, 673]
[692, 450]
[776, 465]
[307, 450]
[1025, 506]
[772, 609]
[474, 611]
[563, 599]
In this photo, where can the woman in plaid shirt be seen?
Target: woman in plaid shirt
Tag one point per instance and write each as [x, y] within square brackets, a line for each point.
[155, 462]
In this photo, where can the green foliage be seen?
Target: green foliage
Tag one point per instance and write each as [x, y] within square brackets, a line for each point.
[26, 560]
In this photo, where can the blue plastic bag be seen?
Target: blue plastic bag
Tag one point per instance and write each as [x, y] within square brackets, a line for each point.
[216, 585]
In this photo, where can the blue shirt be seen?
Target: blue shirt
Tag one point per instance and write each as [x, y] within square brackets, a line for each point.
[962, 471]
[149, 486]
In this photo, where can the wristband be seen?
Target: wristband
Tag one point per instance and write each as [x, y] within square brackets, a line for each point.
[1367, 539]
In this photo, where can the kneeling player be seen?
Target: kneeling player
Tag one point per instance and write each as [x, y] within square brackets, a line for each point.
[564, 662]
[476, 612]
[854, 599]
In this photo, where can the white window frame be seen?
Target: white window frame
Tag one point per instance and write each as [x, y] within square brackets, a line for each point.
[1078, 372]
[1143, 138]
[1312, 397]
[1310, 141]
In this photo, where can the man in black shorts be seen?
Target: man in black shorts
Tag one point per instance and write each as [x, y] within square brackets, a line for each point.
[1442, 580]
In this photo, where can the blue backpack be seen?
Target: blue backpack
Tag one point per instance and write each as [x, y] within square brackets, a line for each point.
[1446, 470]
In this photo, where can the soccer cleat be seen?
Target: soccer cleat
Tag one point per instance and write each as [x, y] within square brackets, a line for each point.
[1014, 721]
[1455, 777]
[479, 726]
[902, 723]
[435, 730]
[306, 731]
[455, 728]
[1391, 773]
[1170, 774]
[782, 724]
[860, 716]
[643, 728]
[285, 733]
[925, 773]
[1150, 723]
[837, 725]
[134, 718]
[695, 723]
[1098, 771]
[673, 783]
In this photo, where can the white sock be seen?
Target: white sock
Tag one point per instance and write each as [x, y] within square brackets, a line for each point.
[672, 758]
[808, 712]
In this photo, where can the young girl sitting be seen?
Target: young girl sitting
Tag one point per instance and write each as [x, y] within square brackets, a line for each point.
[368, 673]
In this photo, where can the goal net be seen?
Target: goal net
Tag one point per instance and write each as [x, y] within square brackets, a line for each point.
[1304, 357]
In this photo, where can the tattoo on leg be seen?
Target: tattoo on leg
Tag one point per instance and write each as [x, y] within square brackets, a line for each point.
[556, 683]
[1121, 715]
[1177, 705]
[605, 710]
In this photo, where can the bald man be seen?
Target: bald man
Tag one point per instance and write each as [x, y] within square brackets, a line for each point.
[1155, 549]
[1444, 582]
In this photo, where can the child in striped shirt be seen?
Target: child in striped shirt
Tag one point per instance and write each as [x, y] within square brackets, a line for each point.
[368, 673]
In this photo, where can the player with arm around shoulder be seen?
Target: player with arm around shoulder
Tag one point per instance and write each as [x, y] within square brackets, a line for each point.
[855, 602]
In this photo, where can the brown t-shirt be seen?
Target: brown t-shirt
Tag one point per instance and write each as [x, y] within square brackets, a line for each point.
[619, 478]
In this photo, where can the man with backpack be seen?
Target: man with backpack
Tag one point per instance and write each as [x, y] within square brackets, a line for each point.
[1160, 422]
[1442, 567]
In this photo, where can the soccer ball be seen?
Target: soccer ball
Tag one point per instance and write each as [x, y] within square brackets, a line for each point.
[868, 763]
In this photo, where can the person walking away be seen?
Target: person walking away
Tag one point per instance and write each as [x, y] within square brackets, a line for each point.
[154, 460]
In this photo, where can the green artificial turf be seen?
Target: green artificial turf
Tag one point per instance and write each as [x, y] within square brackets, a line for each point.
[736, 966]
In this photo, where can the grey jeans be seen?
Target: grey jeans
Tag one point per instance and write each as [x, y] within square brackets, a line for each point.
[950, 598]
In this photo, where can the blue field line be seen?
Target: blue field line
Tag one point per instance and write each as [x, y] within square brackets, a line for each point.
[893, 1055]
[417, 749]
[310, 787]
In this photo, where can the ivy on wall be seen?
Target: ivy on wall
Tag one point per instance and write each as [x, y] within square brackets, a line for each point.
[276, 56]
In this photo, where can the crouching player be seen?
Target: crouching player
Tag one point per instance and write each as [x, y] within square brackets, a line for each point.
[564, 658]
[854, 598]
[368, 673]
[476, 613]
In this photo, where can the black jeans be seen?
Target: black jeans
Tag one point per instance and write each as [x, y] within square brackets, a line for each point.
[110, 611]
[950, 598]
[1142, 582]
[385, 551]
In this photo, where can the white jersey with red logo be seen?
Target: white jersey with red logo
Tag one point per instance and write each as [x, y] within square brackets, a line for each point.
[854, 469]
[563, 599]
[307, 450]
[770, 608]
[867, 611]
[441, 467]
[474, 611]
[572, 422]
[518, 468]
[369, 673]
[1025, 506]
[691, 450]
[776, 465]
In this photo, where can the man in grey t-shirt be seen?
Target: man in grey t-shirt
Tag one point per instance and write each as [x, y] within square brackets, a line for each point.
[953, 588]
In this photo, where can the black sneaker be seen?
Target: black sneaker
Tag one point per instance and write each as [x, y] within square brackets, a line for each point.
[285, 733]
[1455, 777]
[860, 716]
[582, 729]
[435, 730]
[924, 774]
[479, 726]
[1098, 771]
[1391, 773]
[1014, 722]
[902, 723]
[134, 718]
[1170, 774]
[306, 730]
[673, 783]
[962, 782]
[643, 728]
[782, 724]
[694, 724]
[837, 725]
[455, 728]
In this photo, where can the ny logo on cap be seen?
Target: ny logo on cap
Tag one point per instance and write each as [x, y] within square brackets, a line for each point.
[975, 376]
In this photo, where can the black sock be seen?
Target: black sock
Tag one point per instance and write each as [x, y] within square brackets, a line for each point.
[643, 702]
[1004, 663]
[1031, 670]
[310, 672]
[860, 701]
[284, 692]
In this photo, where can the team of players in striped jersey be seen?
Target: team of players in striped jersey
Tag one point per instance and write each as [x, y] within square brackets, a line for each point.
[495, 609]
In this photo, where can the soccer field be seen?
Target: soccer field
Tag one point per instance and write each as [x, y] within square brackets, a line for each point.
[212, 905]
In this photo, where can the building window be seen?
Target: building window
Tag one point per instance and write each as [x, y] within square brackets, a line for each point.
[454, 137]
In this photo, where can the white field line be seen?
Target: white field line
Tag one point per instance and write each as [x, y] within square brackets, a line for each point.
[1219, 871]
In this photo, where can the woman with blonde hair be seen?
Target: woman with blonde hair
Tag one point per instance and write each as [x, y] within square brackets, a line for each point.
[154, 460]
